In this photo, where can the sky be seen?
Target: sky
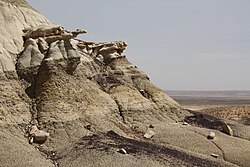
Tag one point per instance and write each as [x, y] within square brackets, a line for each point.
[180, 44]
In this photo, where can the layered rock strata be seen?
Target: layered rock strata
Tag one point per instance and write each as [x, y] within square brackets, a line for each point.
[77, 82]
[50, 78]
[70, 90]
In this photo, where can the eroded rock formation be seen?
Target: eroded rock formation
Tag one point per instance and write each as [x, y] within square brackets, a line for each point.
[72, 90]
[79, 82]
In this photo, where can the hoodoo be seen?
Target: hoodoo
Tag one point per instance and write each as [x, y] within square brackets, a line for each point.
[85, 101]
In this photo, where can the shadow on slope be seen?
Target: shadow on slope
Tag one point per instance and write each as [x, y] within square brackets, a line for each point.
[110, 144]
[204, 120]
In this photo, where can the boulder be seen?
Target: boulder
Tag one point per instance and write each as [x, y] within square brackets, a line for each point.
[149, 134]
[37, 135]
[227, 129]
[211, 135]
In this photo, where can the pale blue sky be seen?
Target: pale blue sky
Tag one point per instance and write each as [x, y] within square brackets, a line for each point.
[180, 44]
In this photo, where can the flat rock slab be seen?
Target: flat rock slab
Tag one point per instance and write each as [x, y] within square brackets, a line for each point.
[149, 134]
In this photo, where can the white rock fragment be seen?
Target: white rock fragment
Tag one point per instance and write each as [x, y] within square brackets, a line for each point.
[227, 129]
[185, 123]
[211, 135]
[122, 151]
[149, 134]
[214, 155]
[31, 140]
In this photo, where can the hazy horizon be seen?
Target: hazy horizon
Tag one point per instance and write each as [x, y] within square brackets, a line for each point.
[181, 45]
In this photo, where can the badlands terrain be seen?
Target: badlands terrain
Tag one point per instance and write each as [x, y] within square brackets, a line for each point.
[233, 105]
[69, 102]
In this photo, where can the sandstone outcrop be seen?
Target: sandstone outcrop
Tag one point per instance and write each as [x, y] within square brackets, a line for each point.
[75, 91]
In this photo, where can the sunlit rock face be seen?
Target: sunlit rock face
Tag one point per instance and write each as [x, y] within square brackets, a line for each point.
[77, 82]
[14, 19]
[71, 99]
[50, 78]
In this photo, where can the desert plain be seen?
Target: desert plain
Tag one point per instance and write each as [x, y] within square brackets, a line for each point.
[233, 105]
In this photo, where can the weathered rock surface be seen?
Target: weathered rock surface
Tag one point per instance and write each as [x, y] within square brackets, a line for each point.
[74, 89]
[36, 135]
[227, 129]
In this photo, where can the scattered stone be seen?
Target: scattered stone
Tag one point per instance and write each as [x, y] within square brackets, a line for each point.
[31, 140]
[211, 135]
[122, 151]
[214, 155]
[149, 134]
[227, 129]
[36, 135]
[185, 123]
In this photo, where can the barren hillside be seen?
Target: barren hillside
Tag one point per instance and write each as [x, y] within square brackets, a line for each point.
[69, 102]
